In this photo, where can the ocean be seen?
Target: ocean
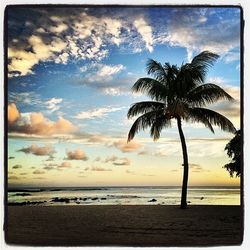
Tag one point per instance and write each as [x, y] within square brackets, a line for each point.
[123, 196]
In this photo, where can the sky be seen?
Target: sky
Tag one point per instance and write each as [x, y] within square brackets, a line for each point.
[70, 73]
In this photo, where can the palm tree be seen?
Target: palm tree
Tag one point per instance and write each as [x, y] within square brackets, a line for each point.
[233, 149]
[178, 93]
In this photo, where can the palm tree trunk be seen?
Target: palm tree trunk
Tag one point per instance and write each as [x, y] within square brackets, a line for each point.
[185, 165]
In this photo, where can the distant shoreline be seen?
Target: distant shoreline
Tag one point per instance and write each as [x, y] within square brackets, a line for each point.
[12, 189]
[123, 196]
[124, 225]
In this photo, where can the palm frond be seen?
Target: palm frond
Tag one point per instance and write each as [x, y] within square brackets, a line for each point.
[206, 94]
[200, 64]
[204, 59]
[156, 69]
[195, 116]
[151, 87]
[185, 81]
[144, 107]
[212, 117]
[144, 121]
[158, 125]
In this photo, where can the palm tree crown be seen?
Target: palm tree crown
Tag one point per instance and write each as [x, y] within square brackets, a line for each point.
[180, 93]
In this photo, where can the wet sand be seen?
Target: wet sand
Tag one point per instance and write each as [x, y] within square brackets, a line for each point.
[122, 225]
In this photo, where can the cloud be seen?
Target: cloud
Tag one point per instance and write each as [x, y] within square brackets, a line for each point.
[52, 104]
[39, 151]
[108, 70]
[22, 61]
[59, 28]
[96, 113]
[196, 168]
[99, 72]
[114, 85]
[25, 98]
[145, 31]
[118, 161]
[13, 177]
[38, 172]
[24, 173]
[51, 158]
[64, 165]
[229, 109]
[127, 147]
[77, 154]
[112, 91]
[17, 166]
[98, 169]
[50, 166]
[197, 147]
[13, 113]
[85, 34]
[57, 35]
[201, 29]
[37, 124]
[130, 172]
[98, 158]
[232, 56]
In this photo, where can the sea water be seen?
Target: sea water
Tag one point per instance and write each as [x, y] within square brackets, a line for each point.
[123, 196]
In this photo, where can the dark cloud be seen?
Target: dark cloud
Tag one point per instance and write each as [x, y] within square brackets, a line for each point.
[50, 166]
[39, 172]
[23, 173]
[39, 151]
[13, 177]
[17, 166]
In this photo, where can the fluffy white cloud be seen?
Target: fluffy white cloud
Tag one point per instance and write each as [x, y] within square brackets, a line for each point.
[38, 124]
[108, 70]
[98, 72]
[190, 29]
[22, 61]
[145, 30]
[96, 113]
[112, 91]
[13, 113]
[80, 35]
[52, 104]
[60, 27]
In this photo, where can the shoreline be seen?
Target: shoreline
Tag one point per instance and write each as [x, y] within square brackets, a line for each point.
[124, 225]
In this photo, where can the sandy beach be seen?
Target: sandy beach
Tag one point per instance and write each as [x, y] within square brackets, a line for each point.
[123, 225]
